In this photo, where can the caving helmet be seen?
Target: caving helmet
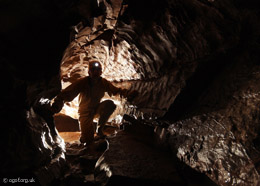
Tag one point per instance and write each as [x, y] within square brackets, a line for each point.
[95, 69]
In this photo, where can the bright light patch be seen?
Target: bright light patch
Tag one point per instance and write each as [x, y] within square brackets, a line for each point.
[44, 101]
[71, 108]
[118, 119]
[116, 62]
[45, 144]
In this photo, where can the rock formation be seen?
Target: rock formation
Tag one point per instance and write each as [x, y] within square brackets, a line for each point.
[195, 64]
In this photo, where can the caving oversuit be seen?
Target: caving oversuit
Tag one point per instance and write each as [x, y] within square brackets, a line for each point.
[90, 93]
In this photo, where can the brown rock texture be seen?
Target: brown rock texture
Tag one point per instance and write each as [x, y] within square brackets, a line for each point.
[195, 64]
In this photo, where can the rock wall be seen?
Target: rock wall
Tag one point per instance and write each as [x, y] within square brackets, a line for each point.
[199, 54]
[155, 47]
[225, 128]
[31, 46]
[194, 62]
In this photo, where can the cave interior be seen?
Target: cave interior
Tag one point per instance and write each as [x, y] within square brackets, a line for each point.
[195, 66]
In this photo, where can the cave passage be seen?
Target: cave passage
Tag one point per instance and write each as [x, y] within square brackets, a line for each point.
[146, 162]
[195, 64]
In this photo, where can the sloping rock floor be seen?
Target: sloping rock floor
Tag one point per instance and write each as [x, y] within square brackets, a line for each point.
[127, 157]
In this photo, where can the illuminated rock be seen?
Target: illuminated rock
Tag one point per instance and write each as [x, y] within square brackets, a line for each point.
[193, 62]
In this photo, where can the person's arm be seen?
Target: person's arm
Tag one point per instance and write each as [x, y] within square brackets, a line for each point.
[67, 95]
[112, 90]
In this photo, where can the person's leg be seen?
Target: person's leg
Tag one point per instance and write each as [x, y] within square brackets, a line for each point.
[87, 129]
[105, 109]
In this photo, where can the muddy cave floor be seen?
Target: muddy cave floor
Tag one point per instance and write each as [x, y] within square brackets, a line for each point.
[129, 157]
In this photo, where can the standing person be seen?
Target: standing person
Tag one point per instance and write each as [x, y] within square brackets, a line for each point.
[91, 89]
